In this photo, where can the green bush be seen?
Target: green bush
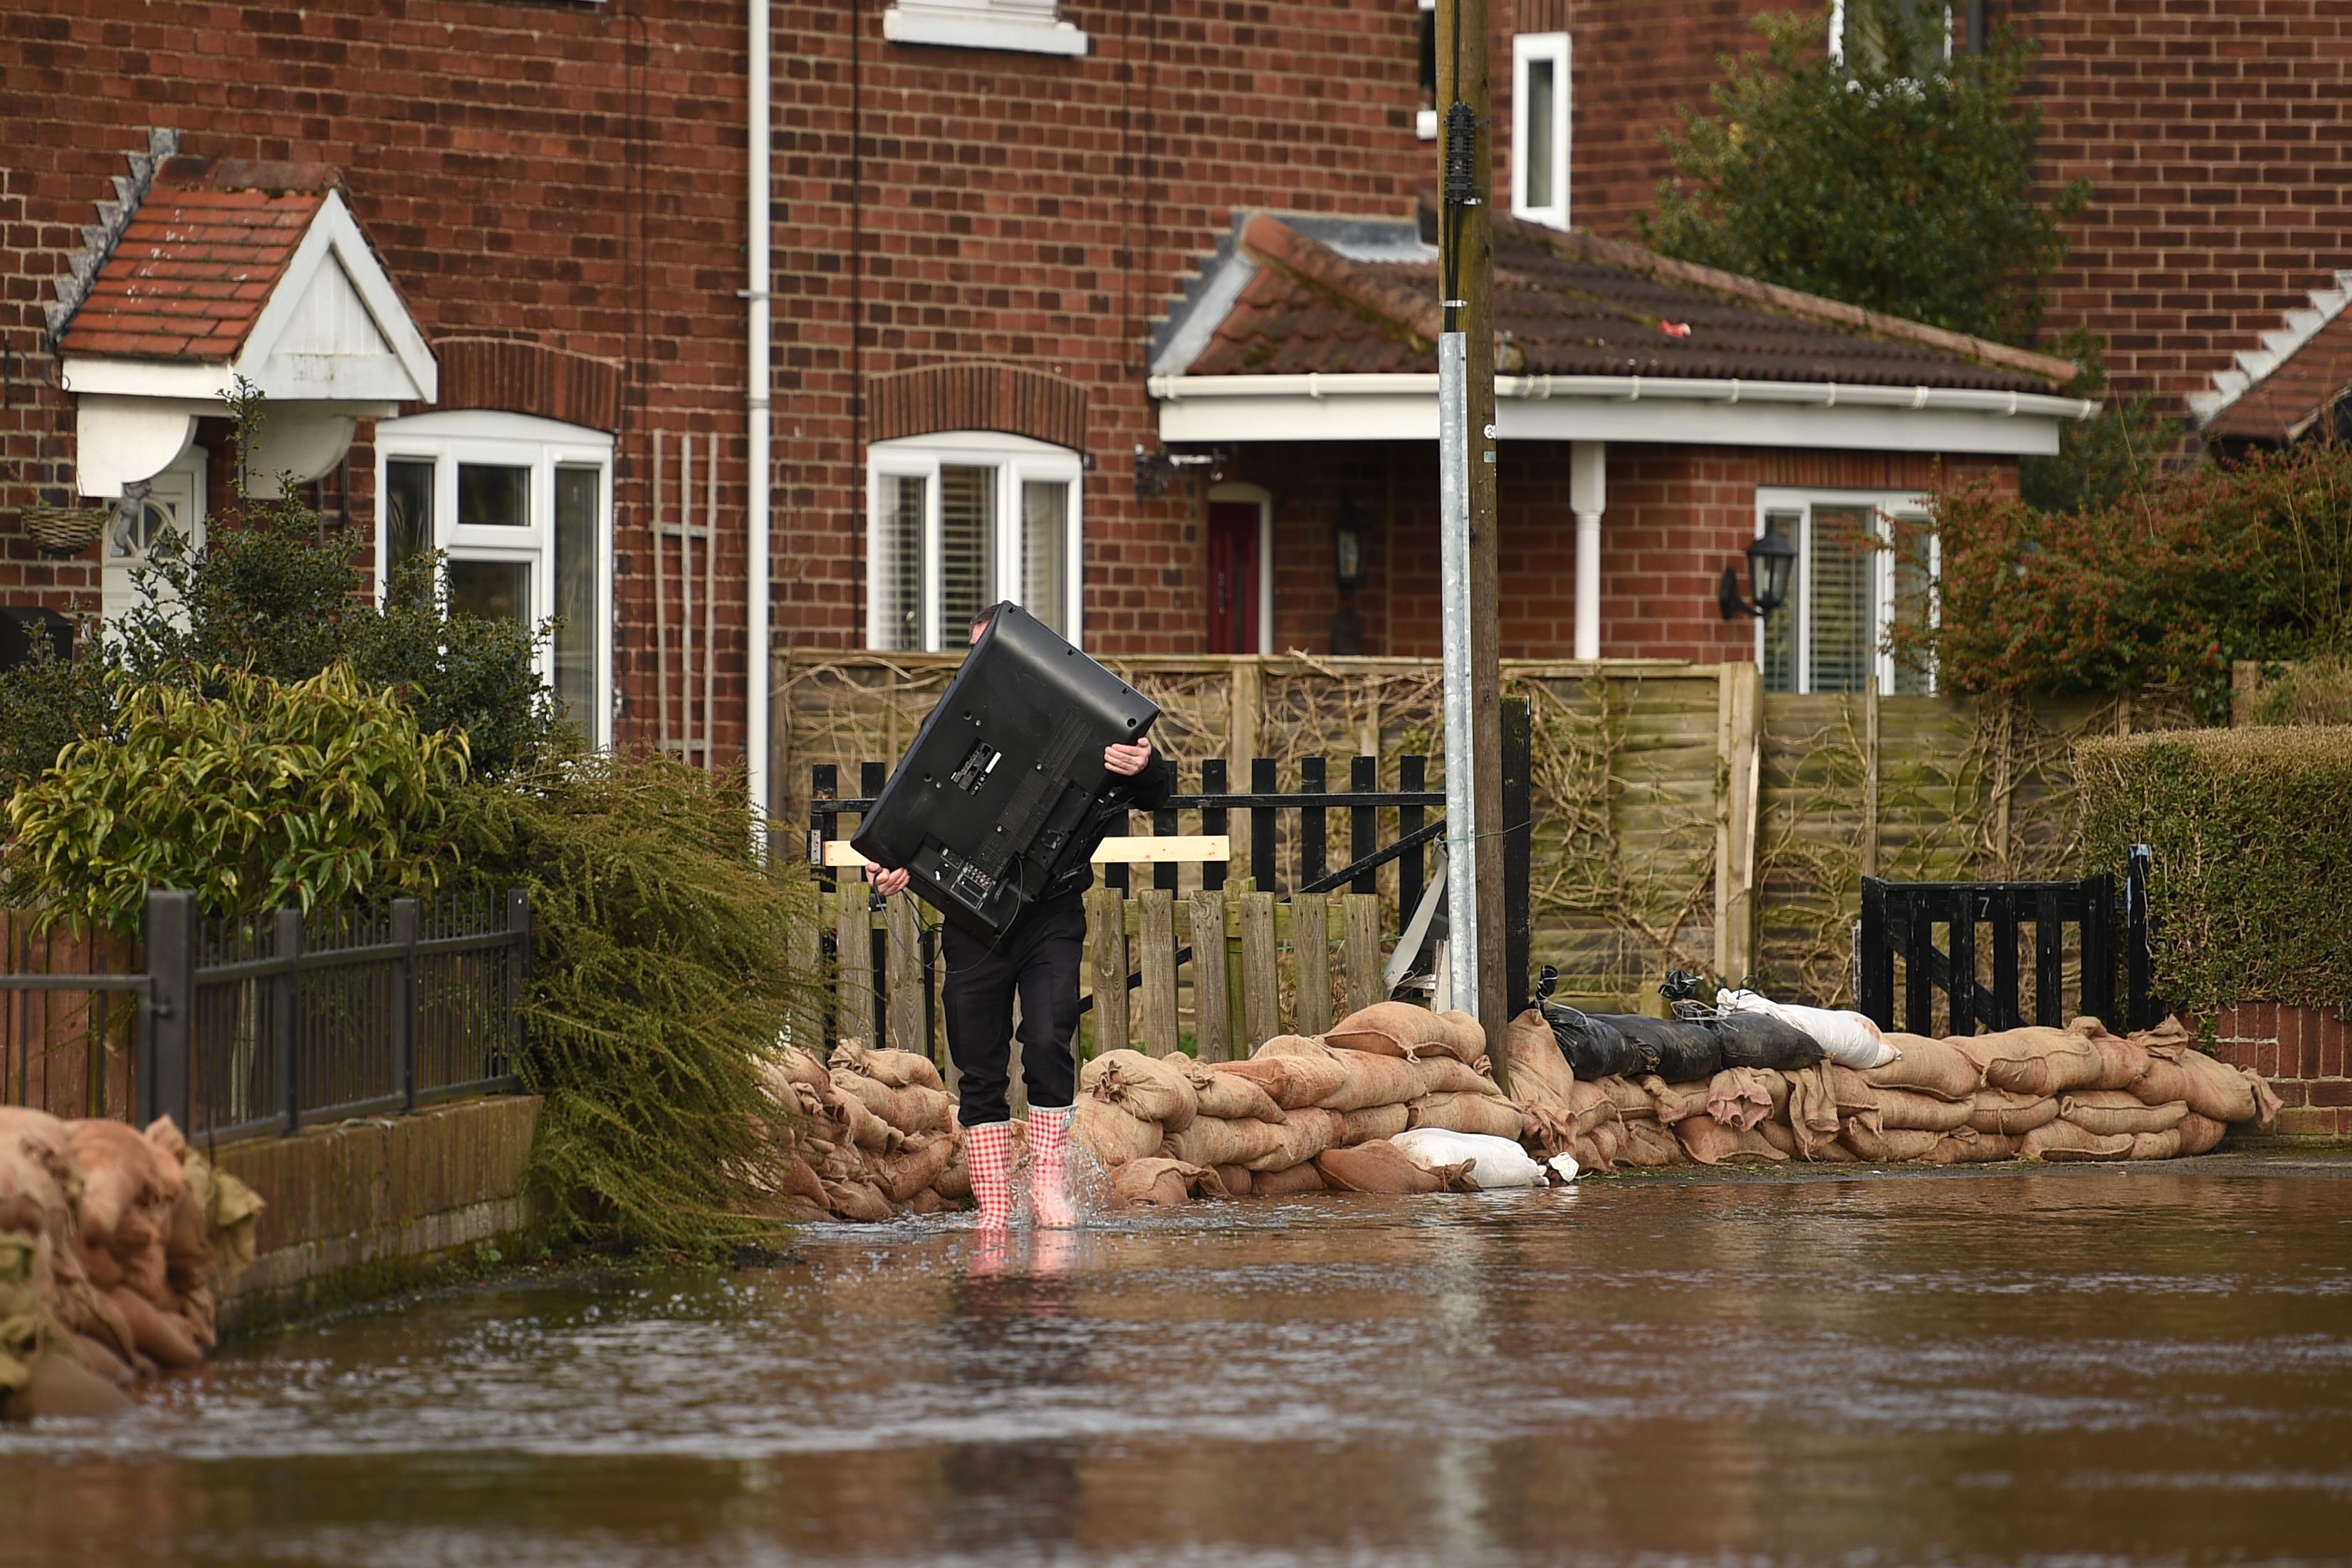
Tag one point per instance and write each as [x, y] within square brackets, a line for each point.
[254, 794]
[2252, 870]
[45, 705]
[663, 972]
[1895, 179]
[2314, 691]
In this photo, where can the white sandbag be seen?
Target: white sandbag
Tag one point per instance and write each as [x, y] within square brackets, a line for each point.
[1847, 1039]
[1495, 1162]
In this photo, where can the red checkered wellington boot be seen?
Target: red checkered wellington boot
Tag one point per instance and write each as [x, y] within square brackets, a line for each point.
[1049, 1189]
[989, 1151]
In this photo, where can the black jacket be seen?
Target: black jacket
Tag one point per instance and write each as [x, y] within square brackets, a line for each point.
[1147, 791]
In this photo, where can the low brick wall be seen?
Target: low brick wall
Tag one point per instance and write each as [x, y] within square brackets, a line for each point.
[370, 1207]
[2306, 1053]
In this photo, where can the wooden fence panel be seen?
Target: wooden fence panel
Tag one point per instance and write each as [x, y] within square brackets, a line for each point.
[1360, 918]
[1107, 965]
[1261, 979]
[1310, 961]
[1212, 1002]
[1157, 939]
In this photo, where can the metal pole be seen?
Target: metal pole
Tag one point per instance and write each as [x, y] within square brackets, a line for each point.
[1454, 614]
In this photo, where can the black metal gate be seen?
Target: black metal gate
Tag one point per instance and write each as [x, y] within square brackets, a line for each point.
[1903, 920]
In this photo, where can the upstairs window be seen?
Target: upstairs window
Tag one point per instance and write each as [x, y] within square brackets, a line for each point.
[959, 521]
[1864, 562]
[1028, 26]
[1539, 90]
[1425, 120]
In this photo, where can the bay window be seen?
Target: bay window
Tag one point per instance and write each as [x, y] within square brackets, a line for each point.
[957, 522]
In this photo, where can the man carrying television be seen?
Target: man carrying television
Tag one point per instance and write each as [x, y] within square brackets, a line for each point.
[1038, 960]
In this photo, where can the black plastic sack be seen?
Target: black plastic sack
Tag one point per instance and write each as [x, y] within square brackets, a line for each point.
[1594, 1047]
[1760, 1040]
[1676, 1049]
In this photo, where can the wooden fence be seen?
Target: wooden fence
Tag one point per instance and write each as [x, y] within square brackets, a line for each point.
[1683, 817]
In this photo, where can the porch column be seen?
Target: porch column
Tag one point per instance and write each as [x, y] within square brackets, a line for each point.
[1588, 498]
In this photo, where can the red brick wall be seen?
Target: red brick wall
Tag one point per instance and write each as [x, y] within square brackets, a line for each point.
[2307, 1055]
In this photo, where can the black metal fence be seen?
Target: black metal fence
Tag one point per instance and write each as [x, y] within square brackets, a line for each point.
[241, 1027]
[1983, 927]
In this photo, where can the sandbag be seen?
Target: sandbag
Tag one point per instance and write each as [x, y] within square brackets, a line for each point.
[1444, 1075]
[1492, 1163]
[1375, 1167]
[1898, 1146]
[1467, 1113]
[1212, 1140]
[2161, 1145]
[861, 1201]
[2035, 1060]
[1597, 1149]
[915, 1166]
[1540, 1074]
[1928, 1067]
[2164, 1081]
[2001, 1112]
[1622, 1045]
[1111, 1135]
[1900, 1109]
[1297, 1181]
[1710, 1143]
[1372, 1080]
[1647, 1145]
[1144, 1086]
[892, 1069]
[911, 1110]
[858, 1122]
[1967, 1146]
[1239, 1183]
[2061, 1140]
[1626, 1097]
[1781, 1136]
[1740, 1097]
[1234, 1096]
[128, 1186]
[1763, 1040]
[1673, 1102]
[2124, 1061]
[1685, 1053]
[2217, 1091]
[2199, 1133]
[955, 1183]
[1162, 1184]
[1849, 1038]
[1372, 1123]
[1395, 1029]
[799, 1180]
[1273, 1074]
[1812, 1106]
[2119, 1110]
[1461, 1036]
[1303, 1134]
[1314, 1068]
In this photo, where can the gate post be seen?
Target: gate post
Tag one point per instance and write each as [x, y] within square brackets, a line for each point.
[2140, 959]
[1518, 833]
[285, 997]
[1874, 961]
[168, 1026]
[404, 998]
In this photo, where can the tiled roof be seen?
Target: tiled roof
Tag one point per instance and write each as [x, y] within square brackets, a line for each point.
[1568, 304]
[2311, 376]
[198, 260]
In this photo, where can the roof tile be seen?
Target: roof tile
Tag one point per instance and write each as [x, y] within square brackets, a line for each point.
[2282, 405]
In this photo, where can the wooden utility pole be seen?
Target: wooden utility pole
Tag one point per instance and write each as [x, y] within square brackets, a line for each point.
[1466, 277]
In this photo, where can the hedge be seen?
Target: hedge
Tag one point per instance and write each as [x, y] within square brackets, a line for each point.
[2252, 883]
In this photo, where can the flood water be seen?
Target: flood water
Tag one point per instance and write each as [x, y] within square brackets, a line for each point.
[2084, 1366]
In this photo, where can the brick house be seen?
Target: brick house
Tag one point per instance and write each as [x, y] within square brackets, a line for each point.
[1008, 241]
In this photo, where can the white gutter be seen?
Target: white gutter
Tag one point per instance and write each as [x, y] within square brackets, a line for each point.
[756, 545]
[1628, 389]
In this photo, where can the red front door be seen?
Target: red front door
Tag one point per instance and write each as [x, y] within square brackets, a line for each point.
[1234, 568]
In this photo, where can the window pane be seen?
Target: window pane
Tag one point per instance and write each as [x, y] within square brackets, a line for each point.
[1535, 135]
[1044, 552]
[492, 496]
[1780, 626]
[899, 564]
[1911, 539]
[577, 634]
[407, 517]
[967, 549]
[1845, 635]
[493, 590]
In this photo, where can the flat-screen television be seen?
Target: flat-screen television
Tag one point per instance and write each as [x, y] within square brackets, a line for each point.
[989, 805]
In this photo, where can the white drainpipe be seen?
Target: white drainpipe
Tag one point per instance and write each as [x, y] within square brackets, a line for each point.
[755, 727]
[1588, 498]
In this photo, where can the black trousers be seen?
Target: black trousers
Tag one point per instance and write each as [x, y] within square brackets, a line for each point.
[1037, 961]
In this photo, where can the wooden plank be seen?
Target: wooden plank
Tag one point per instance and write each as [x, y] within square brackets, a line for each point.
[903, 970]
[1121, 849]
[1739, 759]
[1260, 984]
[804, 952]
[1870, 778]
[1107, 964]
[1158, 961]
[854, 964]
[1211, 1000]
[1359, 918]
[1310, 959]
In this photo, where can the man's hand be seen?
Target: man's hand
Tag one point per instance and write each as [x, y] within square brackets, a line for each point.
[885, 881]
[1128, 761]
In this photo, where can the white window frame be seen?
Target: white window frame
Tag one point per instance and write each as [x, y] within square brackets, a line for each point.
[1027, 27]
[1527, 49]
[1424, 121]
[451, 437]
[1885, 507]
[1837, 31]
[1017, 460]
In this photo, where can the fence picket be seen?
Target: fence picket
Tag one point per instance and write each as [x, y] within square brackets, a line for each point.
[1107, 961]
[853, 966]
[1310, 959]
[904, 969]
[1212, 1022]
[1360, 922]
[1157, 939]
[1261, 983]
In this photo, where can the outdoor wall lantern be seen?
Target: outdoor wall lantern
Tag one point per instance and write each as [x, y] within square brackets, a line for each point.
[1771, 560]
[1347, 546]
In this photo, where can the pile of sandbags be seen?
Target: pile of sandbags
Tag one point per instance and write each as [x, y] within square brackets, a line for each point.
[2076, 1094]
[1305, 1113]
[869, 1132]
[116, 1233]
